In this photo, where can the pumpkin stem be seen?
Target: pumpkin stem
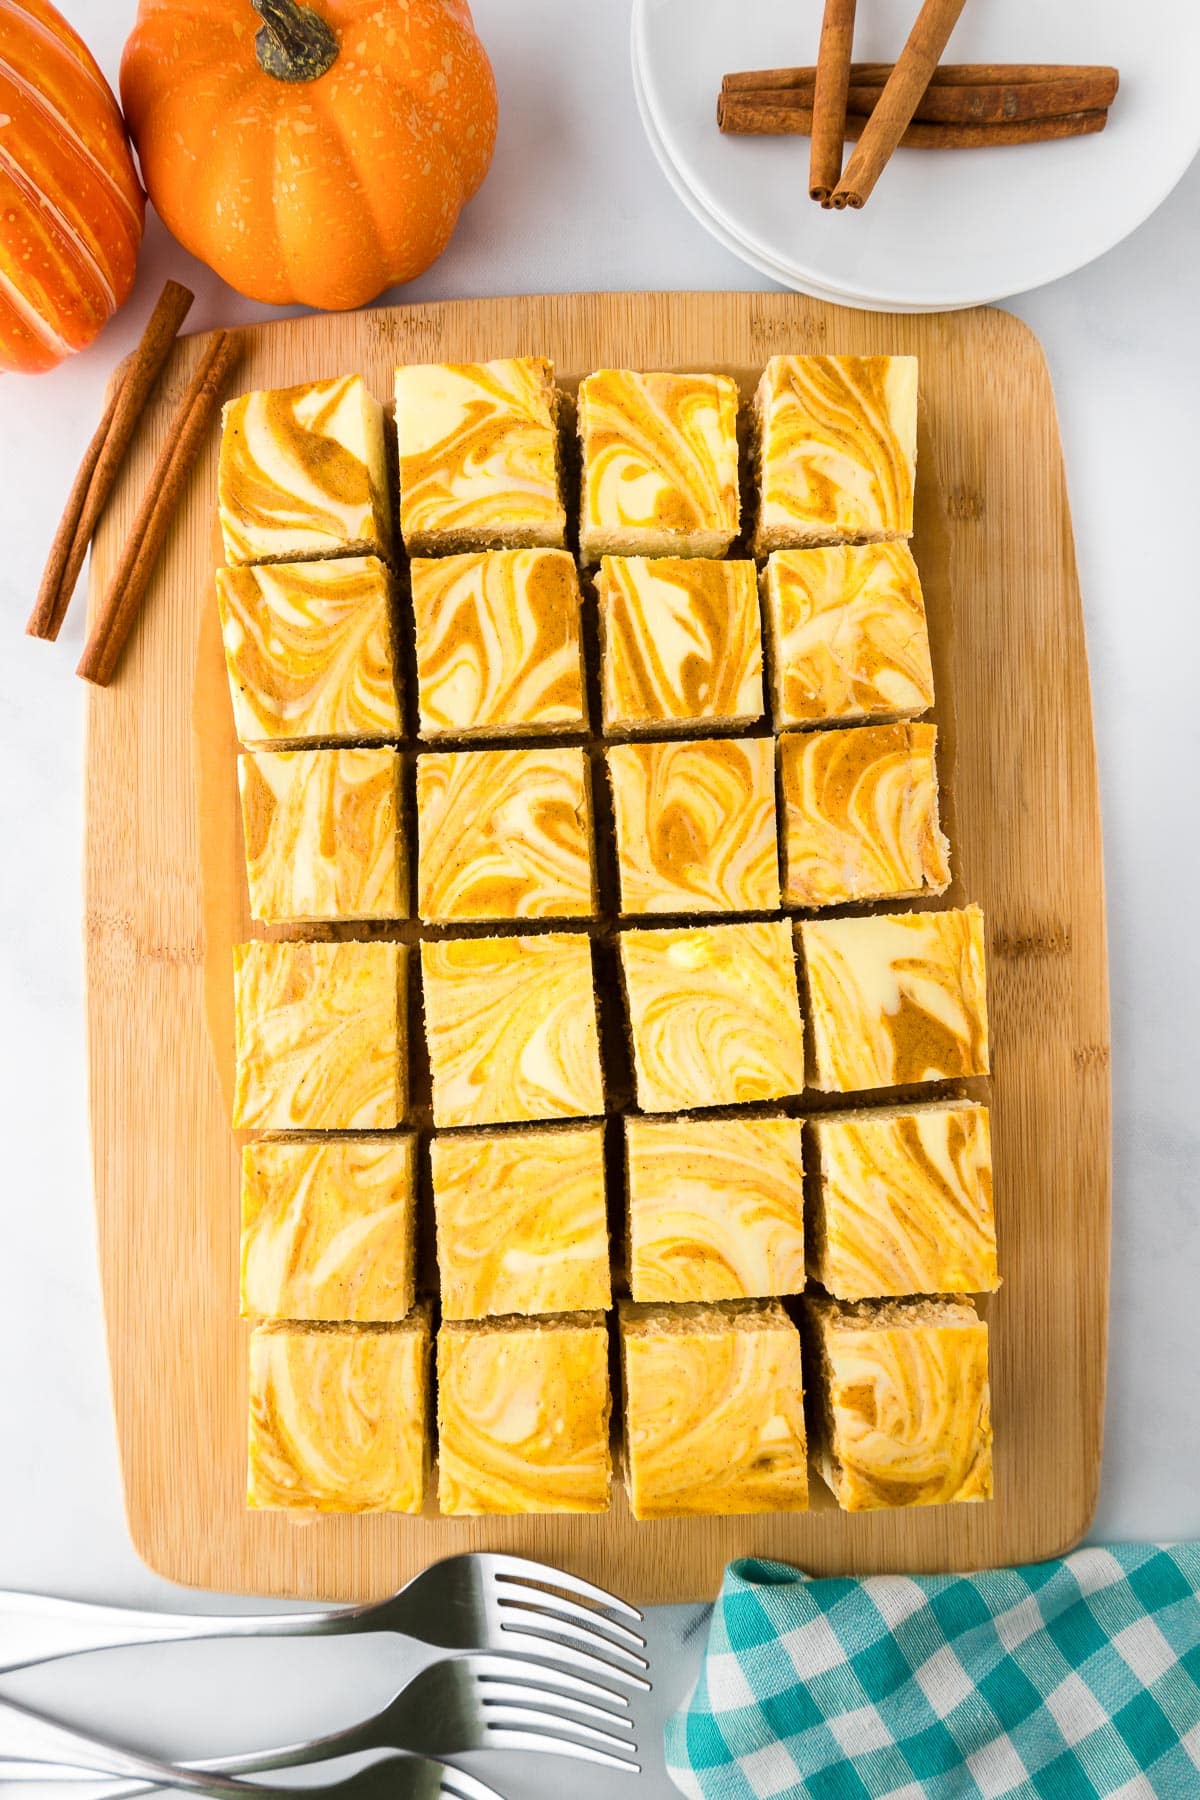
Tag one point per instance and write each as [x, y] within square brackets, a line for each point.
[295, 44]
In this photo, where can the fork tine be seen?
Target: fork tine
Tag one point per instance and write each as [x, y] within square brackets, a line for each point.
[521, 1693]
[455, 1785]
[520, 1568]
[545, 1625]
[503, 1738]
[483, 1665]
[551, 1650]
[504, 1715]
[536, 1600]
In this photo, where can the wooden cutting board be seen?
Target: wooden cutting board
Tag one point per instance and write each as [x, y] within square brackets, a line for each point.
[995, 548]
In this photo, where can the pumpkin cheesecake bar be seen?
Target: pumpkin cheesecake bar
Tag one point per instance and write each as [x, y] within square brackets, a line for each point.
[715, 1207]
[339, 1416]
[523, 1412]
[860, 815]
[329, 1228]
[896, 998]
[521, 1221]
[847, 635]
[322, 834]
[714, 1410]
[681, 644]
[660, 464]
[321, 1040]
[504, 834]
[303, 473]
[498, 643]
[478, 456]
[902, 1201]
[836, 447]
[900, 1404]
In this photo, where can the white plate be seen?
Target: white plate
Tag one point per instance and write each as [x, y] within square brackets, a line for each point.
[941, 230]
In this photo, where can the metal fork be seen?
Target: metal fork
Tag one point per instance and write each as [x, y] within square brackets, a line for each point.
[477, 1601]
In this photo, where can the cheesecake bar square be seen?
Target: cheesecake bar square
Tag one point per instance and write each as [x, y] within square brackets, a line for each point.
[523, 1411]
[339, 1417]
[303, 473]
[504, 834]
[714, 1410]
[321, 1040]
[510, 1023]
[498, 643]
[900, 1405]
[847, 635]
[860, 815]
[681, 644]
[322, 835]
[660, 464]
[836, 445]
[715, 1208]
[310, 652]
[714, 1017]
[522, 1225]
[695, 825]
[329, 1228]
[902, 1201]
[478, 450]
[896, 998]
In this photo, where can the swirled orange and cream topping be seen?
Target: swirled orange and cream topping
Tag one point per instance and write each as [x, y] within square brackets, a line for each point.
[320, 1036]
[478, 455]
[328, 1228]
[504, 834]
[322, 835]
[695, 825]
[837, 449]
[303, 473]
[339, 1416]
[511, 1028]
[713, 1015]
[523, 1410]
[903, 1202]
[847, 633]
[309, 651]
[660, 464]
[682, 643]
[860, 815]
[904, 1402]
[714, 1410]
[498, 644]
[716, 1208]
[521, 1221]
[896, 998]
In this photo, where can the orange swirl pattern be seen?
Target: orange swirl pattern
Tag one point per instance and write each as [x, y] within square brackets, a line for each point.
[320, 1036]
[848, 634]
[521, 1222]
[523, 1417]
[861, 815]
[682, 642]
[308, 649]
[498, 643]
[478, 455]
[714, 1411]
[322, 835]
[504, 834]
[897, 998]
[328, 1229]
[696, 825]
[716, 1208]
[303, 473]
[339, 1418]
[837, 449]
[906, 1403]
[511, 1028]
[713, 1014]
[904, 1202]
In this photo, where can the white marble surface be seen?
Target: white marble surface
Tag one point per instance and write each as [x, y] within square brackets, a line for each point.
[575, 201]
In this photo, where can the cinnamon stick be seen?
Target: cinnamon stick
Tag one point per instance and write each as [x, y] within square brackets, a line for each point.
[743, 115]
[874, 74]
[830, 86]
[901, 91]
[185, 435]
[103, 459]
[965, 103]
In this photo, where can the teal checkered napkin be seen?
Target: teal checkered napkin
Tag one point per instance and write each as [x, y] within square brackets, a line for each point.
[1068, 1679]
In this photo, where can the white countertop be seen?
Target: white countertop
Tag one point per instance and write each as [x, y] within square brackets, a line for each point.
[576, 201]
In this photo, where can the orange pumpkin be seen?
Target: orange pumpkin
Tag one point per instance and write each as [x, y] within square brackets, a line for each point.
[324, 156]
[71, 209]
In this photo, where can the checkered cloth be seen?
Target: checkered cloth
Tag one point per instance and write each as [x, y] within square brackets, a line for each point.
[1067, 1679]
